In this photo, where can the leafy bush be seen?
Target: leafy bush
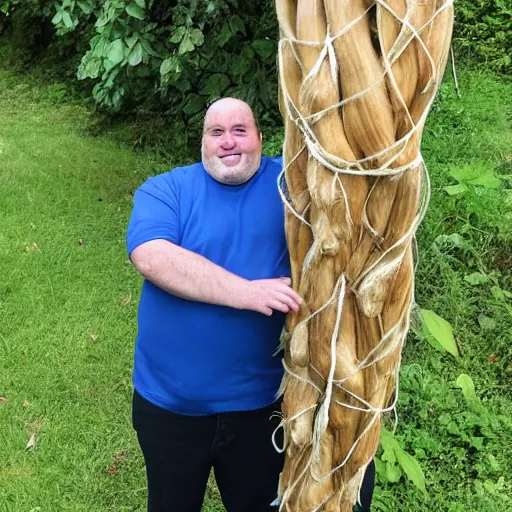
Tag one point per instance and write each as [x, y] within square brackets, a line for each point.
[483, 32]
[169, 58]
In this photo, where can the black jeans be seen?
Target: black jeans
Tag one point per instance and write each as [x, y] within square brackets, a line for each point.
[180, 451]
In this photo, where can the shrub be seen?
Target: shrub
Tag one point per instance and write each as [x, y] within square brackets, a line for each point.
[483, 32]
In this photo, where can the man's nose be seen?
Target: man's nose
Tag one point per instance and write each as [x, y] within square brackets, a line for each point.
[228, 141]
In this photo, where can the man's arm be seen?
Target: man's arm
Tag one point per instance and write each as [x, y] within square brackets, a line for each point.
[190, 276]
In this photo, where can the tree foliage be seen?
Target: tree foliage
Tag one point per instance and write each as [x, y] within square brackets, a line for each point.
[483, 32]
[173, 57]
[169, 57]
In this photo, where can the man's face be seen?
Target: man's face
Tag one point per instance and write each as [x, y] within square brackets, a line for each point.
[231, 146]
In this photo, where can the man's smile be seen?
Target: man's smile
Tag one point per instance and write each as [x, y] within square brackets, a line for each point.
[231, 159]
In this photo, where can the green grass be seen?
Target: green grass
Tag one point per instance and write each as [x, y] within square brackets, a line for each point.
[68, 308]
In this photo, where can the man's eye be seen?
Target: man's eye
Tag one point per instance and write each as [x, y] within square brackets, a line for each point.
[216, 132]
[240, 130]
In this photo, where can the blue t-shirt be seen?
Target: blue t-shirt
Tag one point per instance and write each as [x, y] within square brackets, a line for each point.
[195, 358]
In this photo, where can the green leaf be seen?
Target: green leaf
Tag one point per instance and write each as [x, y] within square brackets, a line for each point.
[476, 442]
[170, 65]
[454, 240]
[465, 173]
[445, 418]
[116, 51]
[108, 65]
[135, 55]
[177, 35]
[194, 104]
[135, 11]
[454, 190]
[86, 8]
[130, 41]
[440, 330]
[486, 323]
[477, 174]
[486, 180]
[99, 47]
[215, 85]
[498, 294]
[196, 37]
[465, 382]
[66, 18]
[242, 64]
[407, 462]
[495, 466]
[186, 44]
[99, 93]
[57, 18]
[89, 68]
[411, 468]
[380, 468]
[265, 48]
[182, 84]
[236, 25]
[388, 443]
[149, 49]
[476, 278]
[393, 473]
[101, 22]
[225, 35]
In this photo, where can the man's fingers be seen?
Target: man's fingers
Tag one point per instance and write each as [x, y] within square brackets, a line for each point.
[279, 306]
[293, 295]
[289, 301]
[277, 294]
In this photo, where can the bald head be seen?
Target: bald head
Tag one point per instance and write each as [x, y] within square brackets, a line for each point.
[231, 145]
[225, 105]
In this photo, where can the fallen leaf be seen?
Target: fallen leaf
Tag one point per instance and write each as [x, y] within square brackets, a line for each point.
[125, 300]
[3, 399]
[94, 337]
[459, 344]
[81, 241]
[128, 262]
[31, 441]
[34, 427]
[493, 358]
[118, 457]
[26, 404]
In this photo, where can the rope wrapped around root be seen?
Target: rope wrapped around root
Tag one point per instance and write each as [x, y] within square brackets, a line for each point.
[357, 79]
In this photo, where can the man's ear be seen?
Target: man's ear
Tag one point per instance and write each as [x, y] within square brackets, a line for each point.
[261, 138]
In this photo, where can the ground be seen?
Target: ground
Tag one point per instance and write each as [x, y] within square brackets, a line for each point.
[68, 299]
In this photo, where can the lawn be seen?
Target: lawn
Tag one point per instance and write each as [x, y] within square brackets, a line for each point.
[68, 300]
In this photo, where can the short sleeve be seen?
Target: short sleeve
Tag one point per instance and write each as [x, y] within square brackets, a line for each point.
[155, 213]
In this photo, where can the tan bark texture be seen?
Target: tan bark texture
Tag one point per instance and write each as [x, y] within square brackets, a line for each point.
[357, 80]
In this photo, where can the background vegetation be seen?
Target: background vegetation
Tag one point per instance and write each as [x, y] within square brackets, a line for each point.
[162, 62]
[139, 74]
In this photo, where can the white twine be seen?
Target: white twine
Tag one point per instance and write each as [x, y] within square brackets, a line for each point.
[390, 260]
[322, 417]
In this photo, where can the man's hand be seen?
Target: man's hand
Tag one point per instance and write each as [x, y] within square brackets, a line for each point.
[267, 295]
[191, 276]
